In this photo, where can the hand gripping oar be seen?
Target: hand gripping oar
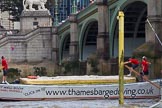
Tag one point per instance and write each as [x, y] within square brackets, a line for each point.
[137, 73]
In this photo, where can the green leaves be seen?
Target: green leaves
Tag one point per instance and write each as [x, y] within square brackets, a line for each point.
[14, 7]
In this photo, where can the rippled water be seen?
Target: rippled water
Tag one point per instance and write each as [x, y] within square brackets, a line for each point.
[141, 103]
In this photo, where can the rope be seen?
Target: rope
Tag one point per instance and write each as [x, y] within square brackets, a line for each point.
[137, 73]
[154, 32]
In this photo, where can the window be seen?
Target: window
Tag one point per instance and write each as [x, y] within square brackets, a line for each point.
[35, 23]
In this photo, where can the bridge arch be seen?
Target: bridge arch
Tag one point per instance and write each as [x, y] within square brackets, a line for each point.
[134, 26]
[64, 46]
[87, 38]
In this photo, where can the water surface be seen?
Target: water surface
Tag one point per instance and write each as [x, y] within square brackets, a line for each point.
[141, 103]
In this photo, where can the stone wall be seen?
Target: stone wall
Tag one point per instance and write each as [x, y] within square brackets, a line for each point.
[30, 20]
[39, 47]
[31, 47]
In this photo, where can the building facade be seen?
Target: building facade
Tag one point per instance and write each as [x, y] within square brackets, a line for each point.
[63, 8]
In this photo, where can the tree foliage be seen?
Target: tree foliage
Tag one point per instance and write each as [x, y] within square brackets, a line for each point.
[14, 7]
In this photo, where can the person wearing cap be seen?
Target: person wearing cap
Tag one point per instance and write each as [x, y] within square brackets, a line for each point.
[145, 67]
[134, 62]
[4, 68]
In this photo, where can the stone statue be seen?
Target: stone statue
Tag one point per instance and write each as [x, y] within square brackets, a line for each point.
[30, 3]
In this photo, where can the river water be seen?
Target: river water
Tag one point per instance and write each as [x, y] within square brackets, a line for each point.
[140, 103]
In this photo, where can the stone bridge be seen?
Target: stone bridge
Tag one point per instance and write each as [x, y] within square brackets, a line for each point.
[92, 30]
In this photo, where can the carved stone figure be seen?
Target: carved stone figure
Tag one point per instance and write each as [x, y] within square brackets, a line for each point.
[30, 3]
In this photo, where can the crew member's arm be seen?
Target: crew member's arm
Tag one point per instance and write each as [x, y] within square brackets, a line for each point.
[149, 62]
[127, 62]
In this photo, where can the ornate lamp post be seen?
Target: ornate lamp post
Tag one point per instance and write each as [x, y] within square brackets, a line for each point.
[56, 13]
[74, 7]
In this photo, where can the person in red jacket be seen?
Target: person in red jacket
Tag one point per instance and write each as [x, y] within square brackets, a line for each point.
[145, 67]
[4, 68]
[134, 62]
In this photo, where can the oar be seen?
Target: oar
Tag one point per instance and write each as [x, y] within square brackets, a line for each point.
[137, 73]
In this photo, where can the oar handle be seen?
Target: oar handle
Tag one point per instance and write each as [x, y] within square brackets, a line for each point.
[137, 73]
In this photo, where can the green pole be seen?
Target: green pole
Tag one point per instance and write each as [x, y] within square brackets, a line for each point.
[121, 57]
[74, 7]
[56, 13]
